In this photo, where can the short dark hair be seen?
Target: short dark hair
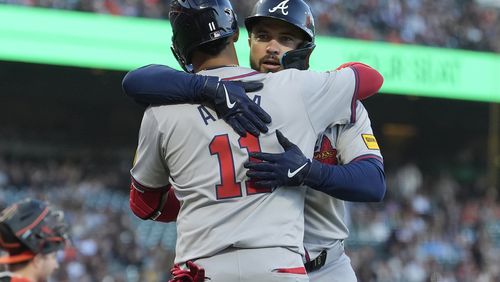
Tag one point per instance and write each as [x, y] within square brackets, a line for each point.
[212, 48]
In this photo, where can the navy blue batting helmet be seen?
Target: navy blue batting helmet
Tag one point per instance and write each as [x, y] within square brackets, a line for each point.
[196, 22]
[296, 13]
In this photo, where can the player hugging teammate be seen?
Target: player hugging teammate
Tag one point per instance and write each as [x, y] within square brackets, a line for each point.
[254, 206]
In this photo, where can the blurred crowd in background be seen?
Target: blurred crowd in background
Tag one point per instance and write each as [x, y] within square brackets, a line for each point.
[108, 243]
[430, 227]
[463, 24]
[441, 226]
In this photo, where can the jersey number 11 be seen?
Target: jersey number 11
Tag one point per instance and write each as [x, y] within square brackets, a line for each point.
[229, 187]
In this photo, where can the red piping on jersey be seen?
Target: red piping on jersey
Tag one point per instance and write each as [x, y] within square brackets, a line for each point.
[355, 95]
[368, 83]
[293, 270]
[367, 156]
[241, 76]
[308, 258]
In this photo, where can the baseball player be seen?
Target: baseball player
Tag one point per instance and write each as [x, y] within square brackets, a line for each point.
[31, 232]
[231, 228]
[281, 38]
[347, 156]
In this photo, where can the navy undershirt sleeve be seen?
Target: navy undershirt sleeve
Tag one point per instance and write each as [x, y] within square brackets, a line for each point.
[159, 84]
[359, 181]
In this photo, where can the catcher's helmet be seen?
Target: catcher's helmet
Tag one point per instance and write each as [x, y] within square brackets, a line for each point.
[294, 12]
[32, 226]
[196, 22]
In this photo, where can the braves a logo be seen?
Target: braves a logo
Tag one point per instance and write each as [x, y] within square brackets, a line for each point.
[282, 6]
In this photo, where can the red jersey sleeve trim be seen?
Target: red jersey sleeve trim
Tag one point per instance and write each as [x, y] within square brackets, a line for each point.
[368, 80]
[355, 95]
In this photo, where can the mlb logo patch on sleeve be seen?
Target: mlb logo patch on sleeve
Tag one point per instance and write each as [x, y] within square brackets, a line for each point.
[370, 141]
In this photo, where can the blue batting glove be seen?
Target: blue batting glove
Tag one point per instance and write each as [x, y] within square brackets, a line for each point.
[235, 107]
[283, 169]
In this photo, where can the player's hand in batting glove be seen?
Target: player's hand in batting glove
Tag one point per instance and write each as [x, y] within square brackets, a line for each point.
[235, 107]
[283, 169]
[195, 273]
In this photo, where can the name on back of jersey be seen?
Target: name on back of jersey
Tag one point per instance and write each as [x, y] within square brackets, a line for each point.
[207, 114]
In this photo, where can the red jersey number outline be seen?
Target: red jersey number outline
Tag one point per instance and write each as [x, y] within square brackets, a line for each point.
[229, 187]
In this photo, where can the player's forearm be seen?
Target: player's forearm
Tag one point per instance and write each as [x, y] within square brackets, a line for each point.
[159, 84]
[360, 181]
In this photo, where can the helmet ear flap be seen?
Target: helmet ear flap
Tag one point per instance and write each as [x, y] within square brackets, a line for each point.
[186, 67]
[298, 58]
[195, 23]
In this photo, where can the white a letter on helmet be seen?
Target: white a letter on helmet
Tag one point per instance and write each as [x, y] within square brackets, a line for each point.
[282, 6]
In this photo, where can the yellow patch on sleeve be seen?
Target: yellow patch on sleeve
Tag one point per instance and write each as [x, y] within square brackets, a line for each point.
[370, 141]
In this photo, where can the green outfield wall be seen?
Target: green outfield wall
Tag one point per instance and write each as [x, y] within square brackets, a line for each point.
[47, 36]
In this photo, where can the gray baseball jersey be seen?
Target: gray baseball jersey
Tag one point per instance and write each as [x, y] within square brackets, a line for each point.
[201, 156]
[324, 215]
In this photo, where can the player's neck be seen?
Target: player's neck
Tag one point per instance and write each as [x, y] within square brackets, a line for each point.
[224, 59]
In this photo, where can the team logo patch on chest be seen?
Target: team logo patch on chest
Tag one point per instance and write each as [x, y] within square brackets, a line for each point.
[370, 141]
[326, 153]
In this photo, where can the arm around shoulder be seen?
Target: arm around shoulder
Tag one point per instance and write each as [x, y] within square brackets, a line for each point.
[159, 84]
[358, 181]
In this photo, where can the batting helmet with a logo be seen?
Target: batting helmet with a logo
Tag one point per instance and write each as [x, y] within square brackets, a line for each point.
[196, 22]
[294, 12]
